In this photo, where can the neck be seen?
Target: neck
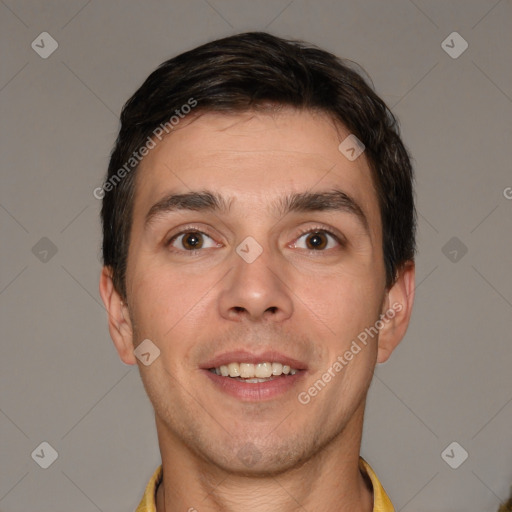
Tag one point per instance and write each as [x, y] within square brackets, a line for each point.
[328, 481]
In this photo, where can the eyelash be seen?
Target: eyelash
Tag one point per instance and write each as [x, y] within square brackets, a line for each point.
[320, 229]
[185, 231]
[192, 229]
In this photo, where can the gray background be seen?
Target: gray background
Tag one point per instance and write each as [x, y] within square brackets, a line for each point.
[60, 378]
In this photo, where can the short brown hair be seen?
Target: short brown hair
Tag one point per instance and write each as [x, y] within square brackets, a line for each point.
[244, 72]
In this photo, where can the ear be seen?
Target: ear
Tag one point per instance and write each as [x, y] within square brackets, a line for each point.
[397, 309]
[119, 323]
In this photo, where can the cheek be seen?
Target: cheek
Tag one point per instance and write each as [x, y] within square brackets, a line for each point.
[167, 300]
[345, 302]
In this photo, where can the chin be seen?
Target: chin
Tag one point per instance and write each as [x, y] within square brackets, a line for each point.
[245, 458]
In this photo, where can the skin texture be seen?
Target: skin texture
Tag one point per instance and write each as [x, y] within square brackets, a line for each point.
[307, 304]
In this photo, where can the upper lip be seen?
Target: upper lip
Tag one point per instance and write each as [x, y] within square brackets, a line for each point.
[243, 356]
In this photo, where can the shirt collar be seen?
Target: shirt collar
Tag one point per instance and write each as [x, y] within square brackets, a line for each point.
[381, 501]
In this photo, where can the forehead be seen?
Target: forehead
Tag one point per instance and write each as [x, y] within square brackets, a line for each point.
[252, 158]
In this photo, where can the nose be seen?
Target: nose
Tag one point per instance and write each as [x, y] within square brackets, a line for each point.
[256, 291]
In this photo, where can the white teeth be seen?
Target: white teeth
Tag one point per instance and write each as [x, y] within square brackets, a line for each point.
[246, 370]
[254, 372]
[277, 368]
[234, 369]
[263, 370]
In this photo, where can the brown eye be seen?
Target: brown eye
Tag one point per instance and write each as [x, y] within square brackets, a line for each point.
[317, 241]
[191, 241]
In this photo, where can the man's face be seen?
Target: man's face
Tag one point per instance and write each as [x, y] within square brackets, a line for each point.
[202, 292]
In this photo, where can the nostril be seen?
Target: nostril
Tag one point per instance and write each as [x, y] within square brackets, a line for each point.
[272, 309]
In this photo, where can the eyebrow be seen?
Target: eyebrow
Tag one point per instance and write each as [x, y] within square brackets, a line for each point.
[207, 201]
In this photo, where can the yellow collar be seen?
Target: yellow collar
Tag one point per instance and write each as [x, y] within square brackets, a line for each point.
[381, 502]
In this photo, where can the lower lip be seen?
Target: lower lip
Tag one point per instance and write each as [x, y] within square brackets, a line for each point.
[256, 391]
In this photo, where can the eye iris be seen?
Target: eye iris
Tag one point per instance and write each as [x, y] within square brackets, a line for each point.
[192, 241]
[316, 241]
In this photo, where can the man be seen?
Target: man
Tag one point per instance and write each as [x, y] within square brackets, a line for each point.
[258, 225]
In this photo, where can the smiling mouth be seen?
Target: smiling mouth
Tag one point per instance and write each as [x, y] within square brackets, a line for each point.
[254, 373]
